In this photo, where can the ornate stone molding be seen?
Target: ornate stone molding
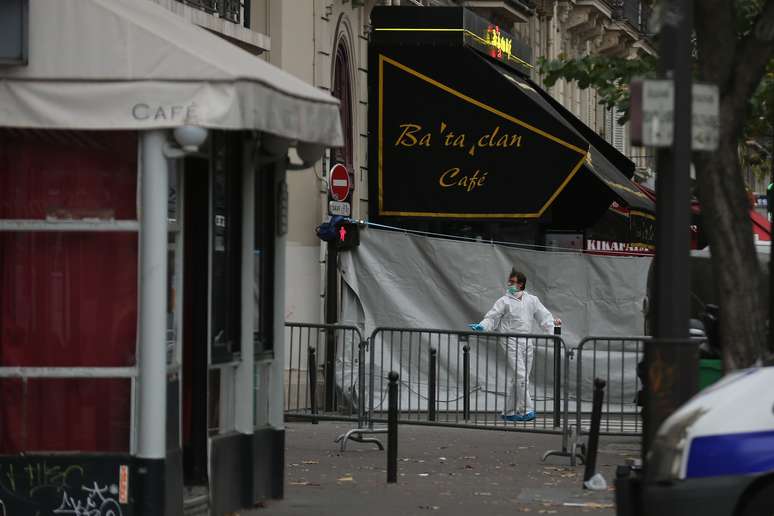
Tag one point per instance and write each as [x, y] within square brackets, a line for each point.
[563, 9]
[585, 24]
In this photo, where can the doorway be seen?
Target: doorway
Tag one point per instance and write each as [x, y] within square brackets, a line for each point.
[195, 316]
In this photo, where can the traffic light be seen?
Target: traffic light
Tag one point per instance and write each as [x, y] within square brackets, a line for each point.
[348, 235]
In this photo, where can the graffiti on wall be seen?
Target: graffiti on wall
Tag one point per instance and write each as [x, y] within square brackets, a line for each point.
[97, 502]
[62, 485]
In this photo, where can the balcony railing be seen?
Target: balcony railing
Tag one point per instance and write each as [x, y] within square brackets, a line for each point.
[631, 11]
[230, 10]
[645, 12]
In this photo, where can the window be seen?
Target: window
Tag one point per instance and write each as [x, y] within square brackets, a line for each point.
[342, 90]
[226, 246]
[265, 233]
[68, 296]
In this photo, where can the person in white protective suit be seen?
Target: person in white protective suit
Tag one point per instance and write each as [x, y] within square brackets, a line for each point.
[513, 313]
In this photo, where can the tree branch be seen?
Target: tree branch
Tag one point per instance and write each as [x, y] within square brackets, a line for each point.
[754, 52]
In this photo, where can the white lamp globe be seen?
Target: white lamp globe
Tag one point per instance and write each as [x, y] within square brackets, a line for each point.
[190, 137]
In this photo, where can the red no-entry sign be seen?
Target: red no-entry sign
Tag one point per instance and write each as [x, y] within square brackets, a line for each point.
[339, 182]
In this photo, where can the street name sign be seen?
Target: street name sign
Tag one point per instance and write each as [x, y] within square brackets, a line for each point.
[339, 208]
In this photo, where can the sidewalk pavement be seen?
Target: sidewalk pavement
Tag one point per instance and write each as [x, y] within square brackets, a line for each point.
[446, 471]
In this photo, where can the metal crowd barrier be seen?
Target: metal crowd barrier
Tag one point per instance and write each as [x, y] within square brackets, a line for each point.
[613, 359]
[448, 378]
[461, 379]
[324, 373]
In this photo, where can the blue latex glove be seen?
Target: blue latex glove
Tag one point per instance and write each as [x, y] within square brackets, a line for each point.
[476, 327]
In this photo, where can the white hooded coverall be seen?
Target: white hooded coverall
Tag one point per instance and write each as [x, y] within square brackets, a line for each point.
[513, 313]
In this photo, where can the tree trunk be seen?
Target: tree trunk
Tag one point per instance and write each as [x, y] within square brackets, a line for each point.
[736, 63]
[726, 220]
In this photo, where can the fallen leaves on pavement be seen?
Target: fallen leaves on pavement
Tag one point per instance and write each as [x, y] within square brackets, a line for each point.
[589, 505]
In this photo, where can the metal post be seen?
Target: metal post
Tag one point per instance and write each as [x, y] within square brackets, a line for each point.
[311, 365]
[431, 385]
[466, 382]
[153, 297]
[371, 376]
[596, 417]
[361, 395]
[152, 381]
[331, 317]
[392, 428]
[557, 378]
[672, 363]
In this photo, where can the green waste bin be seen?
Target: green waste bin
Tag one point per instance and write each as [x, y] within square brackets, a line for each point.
[710, 371]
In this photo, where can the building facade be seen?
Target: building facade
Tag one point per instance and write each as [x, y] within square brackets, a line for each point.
[143, 226]
[326, 44]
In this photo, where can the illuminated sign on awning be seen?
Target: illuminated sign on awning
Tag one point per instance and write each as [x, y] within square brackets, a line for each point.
[463, 149]
[458, 131]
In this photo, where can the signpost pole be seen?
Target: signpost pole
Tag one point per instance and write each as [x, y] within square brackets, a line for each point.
[672, 370]
[331, 317]
[338, 187]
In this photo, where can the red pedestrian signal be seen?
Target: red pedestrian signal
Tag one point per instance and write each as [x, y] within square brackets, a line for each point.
[349, 236]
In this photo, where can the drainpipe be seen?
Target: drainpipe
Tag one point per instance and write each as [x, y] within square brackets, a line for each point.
[152, 381]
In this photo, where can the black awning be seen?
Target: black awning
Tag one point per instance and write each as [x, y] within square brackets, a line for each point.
[451, 139]
[604, 161]
[621, 163]
[455, 134]
[625, 191]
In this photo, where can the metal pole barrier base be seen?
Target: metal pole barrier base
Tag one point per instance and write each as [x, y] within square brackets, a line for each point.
[356, 434]
[573, 453]
[565, 453]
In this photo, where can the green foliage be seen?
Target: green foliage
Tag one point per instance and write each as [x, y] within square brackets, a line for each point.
[747, 12]
[609, 76]
[760, 119]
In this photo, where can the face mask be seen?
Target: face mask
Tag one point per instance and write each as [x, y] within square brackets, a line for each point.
[512, 289]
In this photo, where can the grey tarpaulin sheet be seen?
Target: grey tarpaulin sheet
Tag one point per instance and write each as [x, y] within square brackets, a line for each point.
[406, 280]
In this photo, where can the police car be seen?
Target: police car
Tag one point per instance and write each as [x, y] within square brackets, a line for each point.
[714, 455]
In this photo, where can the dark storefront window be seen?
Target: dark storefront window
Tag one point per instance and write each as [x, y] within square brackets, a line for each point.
[226, 246]
[342, 90]
[67, 299]
[266, 194]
